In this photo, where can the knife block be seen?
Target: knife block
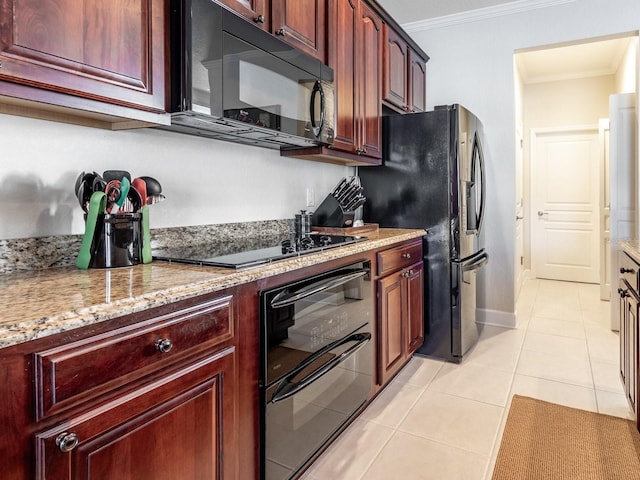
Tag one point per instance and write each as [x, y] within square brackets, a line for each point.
[331, 214]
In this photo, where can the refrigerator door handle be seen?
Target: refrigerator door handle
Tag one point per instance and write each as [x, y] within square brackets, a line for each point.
[477, 153]
[477, 263]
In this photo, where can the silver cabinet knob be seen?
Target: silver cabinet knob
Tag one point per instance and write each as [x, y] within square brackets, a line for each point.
[259, 19]
[164, 345]
[281, 32]
[542, 213]
[67, 441]
[406, 255]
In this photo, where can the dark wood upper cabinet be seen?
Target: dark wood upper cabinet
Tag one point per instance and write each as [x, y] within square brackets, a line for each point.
[396, 59]
[404, 74]
[418, 82]
[370, 82]
[109, 51]
[255, 11]
[355, 48]
[302, 24]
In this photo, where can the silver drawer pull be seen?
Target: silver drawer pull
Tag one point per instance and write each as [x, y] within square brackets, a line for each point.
[164, 345]
[406, 255]
[67, 441]
[627, 270]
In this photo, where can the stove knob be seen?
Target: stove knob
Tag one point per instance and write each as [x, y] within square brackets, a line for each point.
[325, 240]
[287, 247]
[306, 243]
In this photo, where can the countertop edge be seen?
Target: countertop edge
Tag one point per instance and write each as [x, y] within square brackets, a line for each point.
[36, 328]
[631, 248]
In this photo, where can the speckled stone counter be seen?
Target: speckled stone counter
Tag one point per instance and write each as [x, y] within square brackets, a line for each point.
[44, 302]
[632, 248]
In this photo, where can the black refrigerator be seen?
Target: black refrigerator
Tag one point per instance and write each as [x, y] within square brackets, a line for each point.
[433, 177]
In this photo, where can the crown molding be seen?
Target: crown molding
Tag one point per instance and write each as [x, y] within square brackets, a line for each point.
[481, 14]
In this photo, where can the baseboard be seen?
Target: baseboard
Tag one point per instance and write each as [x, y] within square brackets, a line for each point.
[496, 318]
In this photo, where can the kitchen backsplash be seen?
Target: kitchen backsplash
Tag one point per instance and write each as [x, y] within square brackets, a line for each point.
[21, 254]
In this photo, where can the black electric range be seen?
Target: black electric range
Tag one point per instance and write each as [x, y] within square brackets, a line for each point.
[250, 252]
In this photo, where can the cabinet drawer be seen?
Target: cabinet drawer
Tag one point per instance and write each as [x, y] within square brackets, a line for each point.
[629, 270]
[399, 257]
[83, 370]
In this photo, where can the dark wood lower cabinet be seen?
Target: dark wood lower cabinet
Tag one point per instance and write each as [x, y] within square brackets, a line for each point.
[181, 426]
[164, 394]
[400, 307]
[629, 301]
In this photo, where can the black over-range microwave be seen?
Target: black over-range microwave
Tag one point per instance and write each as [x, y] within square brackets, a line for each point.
[231, 80]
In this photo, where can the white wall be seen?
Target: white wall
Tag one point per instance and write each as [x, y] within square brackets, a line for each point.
[205, 181]
[472, 64]
[627, 72]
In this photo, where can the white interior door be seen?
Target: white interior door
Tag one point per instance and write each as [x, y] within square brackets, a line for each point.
[565, 216]
[622, 159]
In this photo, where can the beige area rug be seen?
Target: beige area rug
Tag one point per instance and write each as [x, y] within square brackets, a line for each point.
[543, 440]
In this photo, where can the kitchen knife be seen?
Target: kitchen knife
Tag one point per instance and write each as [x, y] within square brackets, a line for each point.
[358, 202]
[352, 193]
[341, 184]
[97, 206]
[346, 192]
[352, 200]
[339, 192]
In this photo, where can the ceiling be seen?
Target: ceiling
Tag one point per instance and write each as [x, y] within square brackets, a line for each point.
[548, 63]
[404, 11]
[573, 61]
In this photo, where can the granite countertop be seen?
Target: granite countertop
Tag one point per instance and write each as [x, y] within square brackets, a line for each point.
[632, 248]
[41, 303]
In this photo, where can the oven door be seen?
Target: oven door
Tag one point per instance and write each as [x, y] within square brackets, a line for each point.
[317, 364]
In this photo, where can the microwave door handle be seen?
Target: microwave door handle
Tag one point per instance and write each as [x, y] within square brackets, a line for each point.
[286, 298]
[317, 89]
[287, 387]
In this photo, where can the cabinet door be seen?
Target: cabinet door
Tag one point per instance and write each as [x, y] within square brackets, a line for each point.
[631, 349]
[98, 49]
[417, 82]
[369, 54]
[302, 24]
[396, 59]
[253, 10]
[342, 58]
[391, 351]
[415, 307]
[176, 427]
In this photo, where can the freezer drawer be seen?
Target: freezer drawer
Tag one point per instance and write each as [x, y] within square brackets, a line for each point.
[463, 303]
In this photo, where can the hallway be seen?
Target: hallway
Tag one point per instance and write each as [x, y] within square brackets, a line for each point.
[438, 420]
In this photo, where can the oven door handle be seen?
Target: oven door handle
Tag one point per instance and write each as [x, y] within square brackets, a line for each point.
[286, 297]
[287, 387]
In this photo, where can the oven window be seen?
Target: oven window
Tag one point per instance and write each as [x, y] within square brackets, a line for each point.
[302, 329]
[299, 425]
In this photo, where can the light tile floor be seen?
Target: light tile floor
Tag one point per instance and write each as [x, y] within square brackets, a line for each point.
[438, 420]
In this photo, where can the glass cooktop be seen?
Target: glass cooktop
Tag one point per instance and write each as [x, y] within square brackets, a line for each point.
[251, 252]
